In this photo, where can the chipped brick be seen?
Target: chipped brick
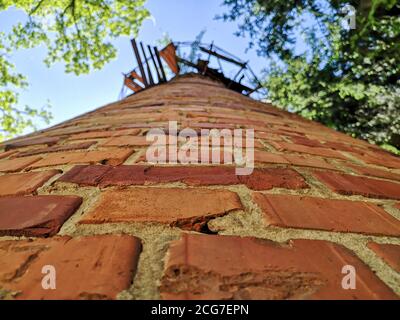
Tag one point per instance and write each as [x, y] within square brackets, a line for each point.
[45, 216]
[13, 165]
[93, 267]
[326, 214]
[352, 185]
[227, 267]
[169, 206]
[24, 183]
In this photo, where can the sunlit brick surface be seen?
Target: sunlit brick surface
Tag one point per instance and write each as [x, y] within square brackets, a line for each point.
[82, 197]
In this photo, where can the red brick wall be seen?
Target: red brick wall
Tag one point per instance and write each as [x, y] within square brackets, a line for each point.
[80, 197]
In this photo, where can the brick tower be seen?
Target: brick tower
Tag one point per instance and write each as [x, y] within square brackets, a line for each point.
[79, 201]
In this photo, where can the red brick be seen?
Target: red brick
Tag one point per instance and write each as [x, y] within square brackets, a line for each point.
[31, 141]
[323, 152]
[127, 141]
[313, 162]
[380, 160]
[226, 267]
[326, 214]
[45, 216]
[340, 146]
[268, 178]
[112, 156]
[306, 142]
[267, 157]
[169, 206]
[13, 165]
[375, 172]
[352, 185]
[24, 183]
[104, 134]
[260, 179]
[390, 253]
[76, 129]
[195, 176]
[7, 154]
[85, 175]
[57, 148]
[93, 267]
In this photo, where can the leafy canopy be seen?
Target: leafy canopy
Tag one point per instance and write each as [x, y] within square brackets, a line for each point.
[78, 33]
[348, 79]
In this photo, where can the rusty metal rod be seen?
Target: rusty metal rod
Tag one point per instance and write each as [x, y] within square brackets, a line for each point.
[160, 64]
[139, 61]
[148, 66]
[154, 63]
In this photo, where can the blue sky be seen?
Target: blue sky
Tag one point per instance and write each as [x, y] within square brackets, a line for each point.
[72, 95]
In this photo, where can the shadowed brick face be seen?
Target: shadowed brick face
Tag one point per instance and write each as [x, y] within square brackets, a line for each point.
[74, 196]
[250, 268]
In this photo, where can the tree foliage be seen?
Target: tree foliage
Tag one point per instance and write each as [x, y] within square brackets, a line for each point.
[348, 79]
[77, 33]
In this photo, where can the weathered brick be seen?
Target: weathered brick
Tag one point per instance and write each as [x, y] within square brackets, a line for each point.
[85, 175]
[195, 176]
[31, 141]
[112, 156]
[390, 253]
[13, 165]
[57, 148]
[227, 267]
[260, 179]
[352, 185]
[170, 206]
[24, 183]
[268, 178]
[378, 159]
[7, 154]
[104, 134]
[45, 215]
[93, 267]
[127, 141]
[340, 146]
[306, 141]
[313, 162]
[374, 172]
[267, 157]
[322, 152]
[76, 129]
[326, 214]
